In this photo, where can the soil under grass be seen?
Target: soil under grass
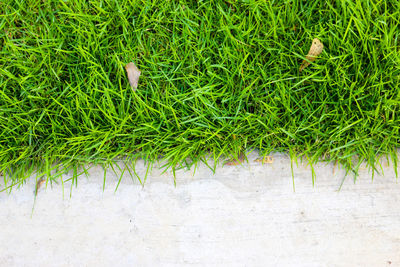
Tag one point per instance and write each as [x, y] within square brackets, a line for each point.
[218, 78]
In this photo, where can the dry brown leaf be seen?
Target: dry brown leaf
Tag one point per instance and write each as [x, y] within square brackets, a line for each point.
[133, 74]
[267, 159]
[315, 49]
[234, 162]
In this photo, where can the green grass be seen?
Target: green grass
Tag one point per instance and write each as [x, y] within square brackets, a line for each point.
[218, 78]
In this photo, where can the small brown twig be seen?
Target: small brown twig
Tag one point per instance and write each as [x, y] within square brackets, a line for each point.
[39, 183]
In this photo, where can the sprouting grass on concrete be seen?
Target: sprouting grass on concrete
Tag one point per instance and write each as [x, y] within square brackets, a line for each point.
[218, 78]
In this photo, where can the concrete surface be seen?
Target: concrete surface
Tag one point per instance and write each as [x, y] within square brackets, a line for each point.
[241, 216]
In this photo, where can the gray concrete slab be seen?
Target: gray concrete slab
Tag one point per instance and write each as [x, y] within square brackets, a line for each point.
[241, 216]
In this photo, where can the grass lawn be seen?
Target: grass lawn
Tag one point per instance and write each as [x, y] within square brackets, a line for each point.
[218, 78]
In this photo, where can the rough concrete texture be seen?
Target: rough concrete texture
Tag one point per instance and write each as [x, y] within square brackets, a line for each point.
[242, 216]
